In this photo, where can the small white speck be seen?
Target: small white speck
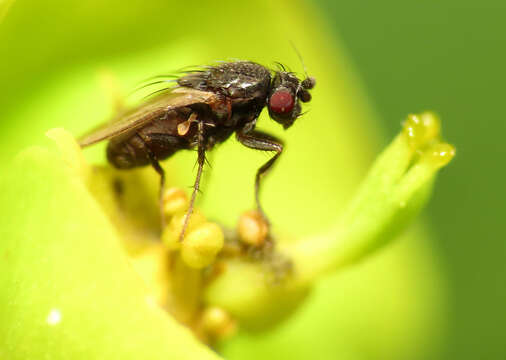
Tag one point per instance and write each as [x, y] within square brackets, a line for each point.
[54, 317]
[245, 85]
[402, 204]
[151, 301]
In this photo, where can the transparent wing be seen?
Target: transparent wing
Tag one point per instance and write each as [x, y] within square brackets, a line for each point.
[146, 112]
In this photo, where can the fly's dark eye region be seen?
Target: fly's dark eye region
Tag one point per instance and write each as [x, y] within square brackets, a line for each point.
[281, 102]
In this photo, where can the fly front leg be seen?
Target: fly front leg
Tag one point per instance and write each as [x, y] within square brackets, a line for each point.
[258, 140]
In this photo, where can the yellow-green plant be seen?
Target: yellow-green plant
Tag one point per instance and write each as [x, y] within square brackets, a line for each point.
[81, 279]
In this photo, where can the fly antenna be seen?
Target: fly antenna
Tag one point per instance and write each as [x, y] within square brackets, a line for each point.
[300, 58]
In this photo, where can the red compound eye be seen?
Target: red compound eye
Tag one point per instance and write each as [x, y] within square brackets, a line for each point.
[281, 102]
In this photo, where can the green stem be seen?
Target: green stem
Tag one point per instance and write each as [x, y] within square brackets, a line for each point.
[393, 193]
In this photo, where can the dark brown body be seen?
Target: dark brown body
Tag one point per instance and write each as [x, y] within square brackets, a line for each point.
[242, 89]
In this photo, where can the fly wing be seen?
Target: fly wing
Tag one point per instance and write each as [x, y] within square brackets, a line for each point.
[147, 112]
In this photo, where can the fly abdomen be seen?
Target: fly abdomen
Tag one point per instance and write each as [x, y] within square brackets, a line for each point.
[143, 148]
[127, 152]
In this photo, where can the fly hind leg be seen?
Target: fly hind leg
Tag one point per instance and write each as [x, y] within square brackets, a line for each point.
[160, 146]
[158, 168]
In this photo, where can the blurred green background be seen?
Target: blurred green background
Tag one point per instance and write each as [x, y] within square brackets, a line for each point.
[448, 56]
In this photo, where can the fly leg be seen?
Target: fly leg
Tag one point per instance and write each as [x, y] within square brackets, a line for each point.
[279, 265]
[201, 150]
[258, 140]
[158, 168]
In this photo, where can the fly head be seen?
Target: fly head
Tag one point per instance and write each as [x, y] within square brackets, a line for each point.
[285, 95]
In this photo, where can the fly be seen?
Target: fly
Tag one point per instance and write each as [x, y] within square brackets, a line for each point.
[204, 108]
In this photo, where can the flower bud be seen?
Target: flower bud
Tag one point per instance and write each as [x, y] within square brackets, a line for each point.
[252, 228]
[439, 154]
[217, 323]
[174, 201]
[171, 233]
[422, 129]
[201, 245]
